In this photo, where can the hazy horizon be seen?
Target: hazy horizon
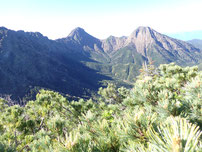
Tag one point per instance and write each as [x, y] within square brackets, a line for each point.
[57, 18]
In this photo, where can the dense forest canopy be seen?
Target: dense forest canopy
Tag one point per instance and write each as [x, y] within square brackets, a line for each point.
[161, 113]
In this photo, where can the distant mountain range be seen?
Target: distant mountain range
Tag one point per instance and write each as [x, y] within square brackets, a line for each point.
[196, 42]
[186, 36]
[77, 64]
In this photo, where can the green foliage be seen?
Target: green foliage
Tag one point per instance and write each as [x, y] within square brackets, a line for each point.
[175, 134]
[162, 112]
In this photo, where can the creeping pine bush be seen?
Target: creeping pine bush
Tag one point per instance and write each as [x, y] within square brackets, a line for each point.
[161, 113]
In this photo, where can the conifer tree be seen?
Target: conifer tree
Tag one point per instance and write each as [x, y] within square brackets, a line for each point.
[161, 113]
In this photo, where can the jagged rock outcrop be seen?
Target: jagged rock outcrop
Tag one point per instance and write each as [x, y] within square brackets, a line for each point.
[113, 43]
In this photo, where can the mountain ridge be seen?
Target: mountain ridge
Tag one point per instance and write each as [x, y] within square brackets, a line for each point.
[142, 44]
[78, 63]
[196, 42]
[29, 60]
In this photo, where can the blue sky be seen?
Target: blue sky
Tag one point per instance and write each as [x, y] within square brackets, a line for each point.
[186, 35]
[101, 18]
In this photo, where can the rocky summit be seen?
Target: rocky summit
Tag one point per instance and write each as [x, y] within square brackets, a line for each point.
[150, 43]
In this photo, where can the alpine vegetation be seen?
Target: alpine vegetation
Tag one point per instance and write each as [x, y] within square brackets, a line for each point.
[161, 113]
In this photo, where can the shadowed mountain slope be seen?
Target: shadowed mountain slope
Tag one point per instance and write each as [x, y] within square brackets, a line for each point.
[29, 60]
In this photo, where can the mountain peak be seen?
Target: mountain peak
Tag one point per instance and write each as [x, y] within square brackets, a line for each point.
[80, 35]
[142, 30]
[141, 38]
[83, 39]
[77, 31]
[3, 28]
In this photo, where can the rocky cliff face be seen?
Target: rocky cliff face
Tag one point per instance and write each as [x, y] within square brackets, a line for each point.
[141, 38]
[147, 41]
[113, 43]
